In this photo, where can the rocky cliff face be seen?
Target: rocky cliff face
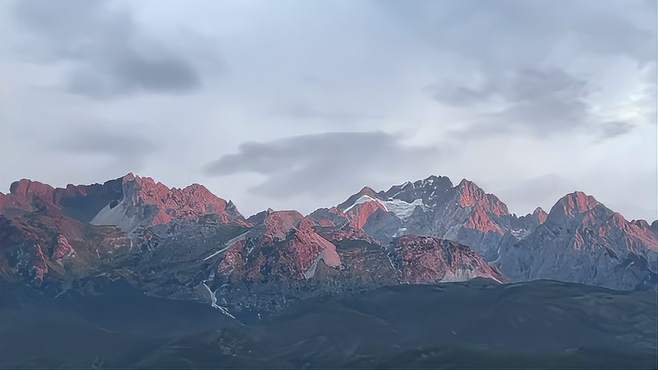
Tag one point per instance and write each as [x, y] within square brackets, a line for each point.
[426, 260]
[580, 240]
[434, 207]
[282, 246]
[296, 257]
[584, 241]
[40, 247]
[146, 202]
[128, 202]
[63, 233]
[81, 202]
[189, 244]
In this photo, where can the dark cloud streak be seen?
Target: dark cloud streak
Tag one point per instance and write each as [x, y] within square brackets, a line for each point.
[108, 54]
[540, 102]
[325, 164]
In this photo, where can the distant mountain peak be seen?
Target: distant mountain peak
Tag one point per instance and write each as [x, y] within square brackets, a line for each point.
[540, 215]
[163, 204]
[129, 201]
[423, 259]
[25, 187]
[573, 204]
[641, 224]
[365, 191]
[471, 195]
[276, 224]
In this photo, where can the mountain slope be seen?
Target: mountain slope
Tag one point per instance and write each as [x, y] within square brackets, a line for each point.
[128, 202]
[584, 241]
[434, 207]
[456, 325]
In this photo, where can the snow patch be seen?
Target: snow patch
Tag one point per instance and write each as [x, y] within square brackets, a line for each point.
[364, 199]
[228, 245]
[519, 233]
[403, 210]
[308, 274]
[401, 231]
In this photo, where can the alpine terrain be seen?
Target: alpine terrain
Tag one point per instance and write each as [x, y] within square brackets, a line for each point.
[133, 273]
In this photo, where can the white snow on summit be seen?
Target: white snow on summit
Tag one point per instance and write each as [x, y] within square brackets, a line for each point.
[364, 199]
[400, 208]
[403, 209]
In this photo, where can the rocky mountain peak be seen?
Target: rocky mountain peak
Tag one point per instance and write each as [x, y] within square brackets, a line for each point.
[26, 194]
[430, 190]
[470, 192]
[643, 224]
[361, 212]
[438, 181]
[572, 205]
[365, 191]
[471, 195]
[422, 260]
[277, 224]
[144, 201]
[540, 215]
[25, 188]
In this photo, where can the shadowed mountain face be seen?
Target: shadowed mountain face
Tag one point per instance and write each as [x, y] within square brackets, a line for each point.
[580, 240]
[583, 241]
[475, 324]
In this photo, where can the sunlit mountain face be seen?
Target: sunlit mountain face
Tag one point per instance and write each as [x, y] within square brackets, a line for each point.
[180, 184]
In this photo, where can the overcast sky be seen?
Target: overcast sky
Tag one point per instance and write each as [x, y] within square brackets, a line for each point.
[298, 104]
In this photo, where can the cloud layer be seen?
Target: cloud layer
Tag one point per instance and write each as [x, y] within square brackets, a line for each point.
[302, 103]
[108, 55]
[327, 164]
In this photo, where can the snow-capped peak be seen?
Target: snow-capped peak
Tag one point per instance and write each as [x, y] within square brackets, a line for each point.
[364, 199]
[403, 209]
[398, 207]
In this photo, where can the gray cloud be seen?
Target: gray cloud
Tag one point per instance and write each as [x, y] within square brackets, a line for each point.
[327, 164]
[536, 101]
[127, 150]
[108, 54]
[543, 101]
[305, 111]
[515, 31]
[613, 129]
[526, 59]
[517, 89]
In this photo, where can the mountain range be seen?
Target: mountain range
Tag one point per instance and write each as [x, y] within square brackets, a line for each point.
[131, 273]
[189, 244]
